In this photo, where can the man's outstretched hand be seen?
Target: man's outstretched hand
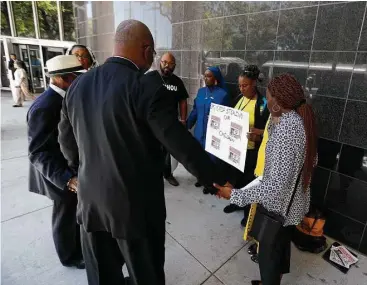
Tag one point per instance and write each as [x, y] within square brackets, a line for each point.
[224, 191]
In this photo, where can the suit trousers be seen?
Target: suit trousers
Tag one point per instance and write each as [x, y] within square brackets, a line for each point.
[104, 257]
[65, 229]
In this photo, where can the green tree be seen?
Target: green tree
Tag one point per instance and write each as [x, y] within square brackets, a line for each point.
[48, 20]
[23, 18]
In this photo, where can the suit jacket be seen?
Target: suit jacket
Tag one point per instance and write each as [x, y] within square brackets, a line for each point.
[49, 171]
[119, 119]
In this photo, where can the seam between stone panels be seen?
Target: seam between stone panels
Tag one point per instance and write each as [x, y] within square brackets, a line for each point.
[21, 215]
[313, 39]
[255, 13]
[351, 75]
[326, 189]
[336, 172]
[345, 216]
[276, 35]
[193, 256]
[348, 144]
[363, 233]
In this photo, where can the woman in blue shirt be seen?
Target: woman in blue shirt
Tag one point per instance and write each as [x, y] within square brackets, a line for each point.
[215, 91]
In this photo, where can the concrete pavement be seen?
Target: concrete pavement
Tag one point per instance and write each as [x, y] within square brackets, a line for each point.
[204, 245]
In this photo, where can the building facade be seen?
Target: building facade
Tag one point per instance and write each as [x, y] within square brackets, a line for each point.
[35, 31]
[324, 44]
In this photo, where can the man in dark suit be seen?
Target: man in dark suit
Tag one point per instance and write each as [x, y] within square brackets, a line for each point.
[11, 67]
[119, 118]
[50, 174]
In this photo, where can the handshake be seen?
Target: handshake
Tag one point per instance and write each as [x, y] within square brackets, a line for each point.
[221, 191]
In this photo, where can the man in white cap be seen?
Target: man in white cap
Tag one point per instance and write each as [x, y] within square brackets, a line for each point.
[50, 174]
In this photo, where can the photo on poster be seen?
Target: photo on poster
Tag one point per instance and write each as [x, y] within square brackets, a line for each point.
[215, 142]
[236, 130]
[215, 122]
[234, 155]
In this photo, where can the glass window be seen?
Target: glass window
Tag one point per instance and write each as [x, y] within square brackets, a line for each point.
[23, 19]
[5, 24]
[68, 20]
[48, 20]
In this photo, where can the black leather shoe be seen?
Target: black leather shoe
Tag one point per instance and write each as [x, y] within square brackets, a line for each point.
[197, 184]
[231, 208]
[171, 180]
[80, 264]
[255, 258]
[252, 249]
[256, 282]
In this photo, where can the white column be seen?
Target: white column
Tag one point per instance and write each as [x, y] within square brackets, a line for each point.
[61, 24]
[11, 18]
[35, 19]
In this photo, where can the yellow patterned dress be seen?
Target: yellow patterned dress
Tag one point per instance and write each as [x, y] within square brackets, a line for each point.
[259, 170]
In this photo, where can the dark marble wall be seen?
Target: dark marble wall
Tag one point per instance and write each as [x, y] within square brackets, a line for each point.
[323, 44]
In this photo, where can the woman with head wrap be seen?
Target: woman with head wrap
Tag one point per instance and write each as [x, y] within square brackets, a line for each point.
[84, 55]
[215, 91]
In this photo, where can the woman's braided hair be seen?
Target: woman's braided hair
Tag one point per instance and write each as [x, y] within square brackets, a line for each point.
[289, 95]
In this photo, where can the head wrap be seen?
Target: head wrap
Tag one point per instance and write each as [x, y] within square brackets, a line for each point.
[218, 76]
[94, 60]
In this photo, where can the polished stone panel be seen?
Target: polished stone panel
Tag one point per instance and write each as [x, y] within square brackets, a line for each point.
[177, 11]
[235, 7]
[192, 36]
[329, 112]
[353, 162]
[190, 64]
[328, 153]
[363, 39]
[296, 27]
[354, 129]
[338, 26]
[358, 85]
[293, 62]
[329, 73]
[293, 4]
[263, 6]
[235, 33]
[262, 29]
[347, 196]
[196, 10]
[319, 185]
[177, 36]
[212, 34]
[343, 229]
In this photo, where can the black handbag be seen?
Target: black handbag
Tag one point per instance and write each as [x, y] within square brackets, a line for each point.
[267, 225]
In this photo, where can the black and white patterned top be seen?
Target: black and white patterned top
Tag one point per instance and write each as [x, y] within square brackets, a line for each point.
[284, 158]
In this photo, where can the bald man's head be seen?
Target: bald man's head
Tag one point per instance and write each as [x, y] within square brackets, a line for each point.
[134, 41]
[168, 64]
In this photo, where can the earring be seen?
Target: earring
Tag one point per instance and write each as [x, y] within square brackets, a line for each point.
[275, 110]
[216, 82]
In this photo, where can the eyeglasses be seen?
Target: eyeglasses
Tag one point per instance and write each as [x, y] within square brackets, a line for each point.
[81, 56]
[169, 64]
[152, 47]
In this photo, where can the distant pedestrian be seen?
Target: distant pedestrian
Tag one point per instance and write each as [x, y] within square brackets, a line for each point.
[50, 174]
[11, 67]
[21, 85]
